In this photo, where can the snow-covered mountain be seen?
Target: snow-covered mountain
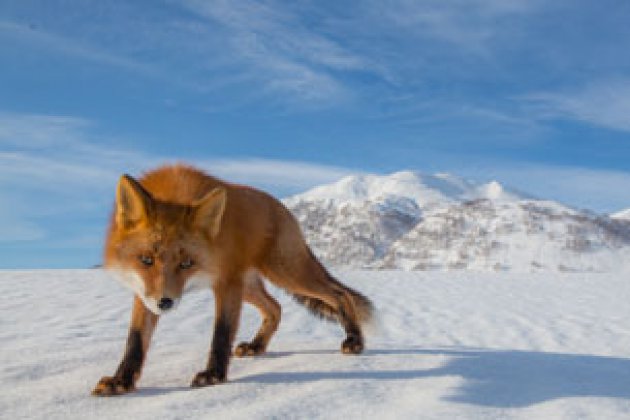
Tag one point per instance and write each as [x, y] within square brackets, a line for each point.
[622, 215]
[414, 221]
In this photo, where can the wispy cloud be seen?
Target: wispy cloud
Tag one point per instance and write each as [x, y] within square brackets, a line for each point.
[54, 152]
[229, 44]
[469, 25]
[49, 41]
[61, 161]
[114, 55]
[601, 190]
[67, 148]
[288, 56]
[273, 52]
[278, 31]
[603, 103]
[288, 175]
[36, 131]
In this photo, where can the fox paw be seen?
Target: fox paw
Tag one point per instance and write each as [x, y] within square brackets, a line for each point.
[206, 378]
[111, 385]
[352, 345]
[249, 349]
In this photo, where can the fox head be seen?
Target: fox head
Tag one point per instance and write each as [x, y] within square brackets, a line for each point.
[159, 249]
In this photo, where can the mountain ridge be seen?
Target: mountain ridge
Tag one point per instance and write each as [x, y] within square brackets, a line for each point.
[409, 220]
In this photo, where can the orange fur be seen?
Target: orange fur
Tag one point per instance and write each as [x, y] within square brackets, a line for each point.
[177, 225]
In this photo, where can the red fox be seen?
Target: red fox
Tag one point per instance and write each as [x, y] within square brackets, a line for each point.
[178, 228]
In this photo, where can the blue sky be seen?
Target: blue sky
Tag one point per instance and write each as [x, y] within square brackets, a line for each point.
[287, 95]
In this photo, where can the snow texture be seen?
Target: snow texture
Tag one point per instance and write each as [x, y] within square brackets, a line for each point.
[412, 221]
[449, 345]
[622, 215]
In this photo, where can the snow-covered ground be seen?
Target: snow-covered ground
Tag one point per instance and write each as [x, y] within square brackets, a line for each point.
[449, 345]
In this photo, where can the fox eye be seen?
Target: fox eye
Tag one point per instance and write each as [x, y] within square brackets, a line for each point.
[186, 264]
[146, 260]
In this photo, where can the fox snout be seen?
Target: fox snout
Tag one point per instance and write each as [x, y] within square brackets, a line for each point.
[157, 299]
[159, 305]
[165, 304]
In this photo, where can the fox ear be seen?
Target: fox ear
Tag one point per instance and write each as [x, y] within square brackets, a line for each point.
[133, 202]
[209, 210]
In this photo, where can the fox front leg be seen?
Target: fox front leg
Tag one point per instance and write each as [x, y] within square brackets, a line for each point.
[143, 324]
[229, 300]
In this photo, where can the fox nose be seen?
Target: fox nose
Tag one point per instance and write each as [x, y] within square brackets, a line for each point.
[165, 304]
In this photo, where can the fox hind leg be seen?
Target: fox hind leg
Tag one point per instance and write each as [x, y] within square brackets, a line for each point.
[312, 285]
[270, 311]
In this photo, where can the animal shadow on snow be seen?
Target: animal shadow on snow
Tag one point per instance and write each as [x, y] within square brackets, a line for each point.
[496, 378]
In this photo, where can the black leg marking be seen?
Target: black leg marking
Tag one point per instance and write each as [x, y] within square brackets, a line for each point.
[132, 361]
[219, 356]
[353, 344]
[128, 371]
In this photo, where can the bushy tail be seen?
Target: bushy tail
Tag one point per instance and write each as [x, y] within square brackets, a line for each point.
[317, 307]
[363, 307]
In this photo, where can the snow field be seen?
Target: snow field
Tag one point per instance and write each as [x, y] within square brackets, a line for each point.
[448, 345]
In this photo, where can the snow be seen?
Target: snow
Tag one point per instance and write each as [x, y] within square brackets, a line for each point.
[412, 221]
[449, 345]
[622, 215]
[525, 237]
[425, 190]
[494, 191]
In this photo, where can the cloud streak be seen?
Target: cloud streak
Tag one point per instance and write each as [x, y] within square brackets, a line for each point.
[273, 53]
[604, 103]
[468, 25]
[61, 164]
[293, 176]
[601, 189]
[289, 57]
[56, 160]
[235, 44]
[67, 46]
